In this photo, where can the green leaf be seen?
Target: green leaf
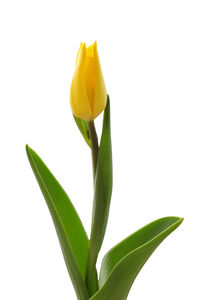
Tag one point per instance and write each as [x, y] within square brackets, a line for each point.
[122, 263]
[102, 194]
[103, 184]
[70, 231]
[83, 127]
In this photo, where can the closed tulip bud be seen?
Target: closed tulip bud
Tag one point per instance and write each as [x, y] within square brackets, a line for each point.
[88, 94]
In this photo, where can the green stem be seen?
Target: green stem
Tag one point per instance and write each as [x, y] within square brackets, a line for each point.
[94, 145]
[91, 274]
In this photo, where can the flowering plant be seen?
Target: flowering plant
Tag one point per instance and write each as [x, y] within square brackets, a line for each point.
[123, 262]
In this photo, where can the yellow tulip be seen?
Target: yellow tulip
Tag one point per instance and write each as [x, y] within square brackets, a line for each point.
[88, 94]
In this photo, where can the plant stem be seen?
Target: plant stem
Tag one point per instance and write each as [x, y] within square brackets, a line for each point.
[91, 274]
[94, 145]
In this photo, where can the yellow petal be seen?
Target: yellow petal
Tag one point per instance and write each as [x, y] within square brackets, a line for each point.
[81, 45]
[78, 94]
[90, 75]
[100, 93]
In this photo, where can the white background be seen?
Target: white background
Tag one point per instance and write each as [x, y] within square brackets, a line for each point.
[150, 56]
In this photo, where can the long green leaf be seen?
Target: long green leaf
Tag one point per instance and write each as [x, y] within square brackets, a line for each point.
[83, 127]
[70, 231]
[103, 184]
[122, 263]
[102, 194]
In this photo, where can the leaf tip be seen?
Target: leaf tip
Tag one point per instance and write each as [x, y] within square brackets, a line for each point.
[27, 148]
[28, 151]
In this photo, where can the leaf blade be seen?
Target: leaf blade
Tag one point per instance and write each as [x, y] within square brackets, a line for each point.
[102, 196]
[103, 183]
[121, 265]
[73, 239]
[83, 128]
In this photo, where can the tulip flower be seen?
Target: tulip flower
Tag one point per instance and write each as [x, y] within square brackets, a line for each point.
[88, 94]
